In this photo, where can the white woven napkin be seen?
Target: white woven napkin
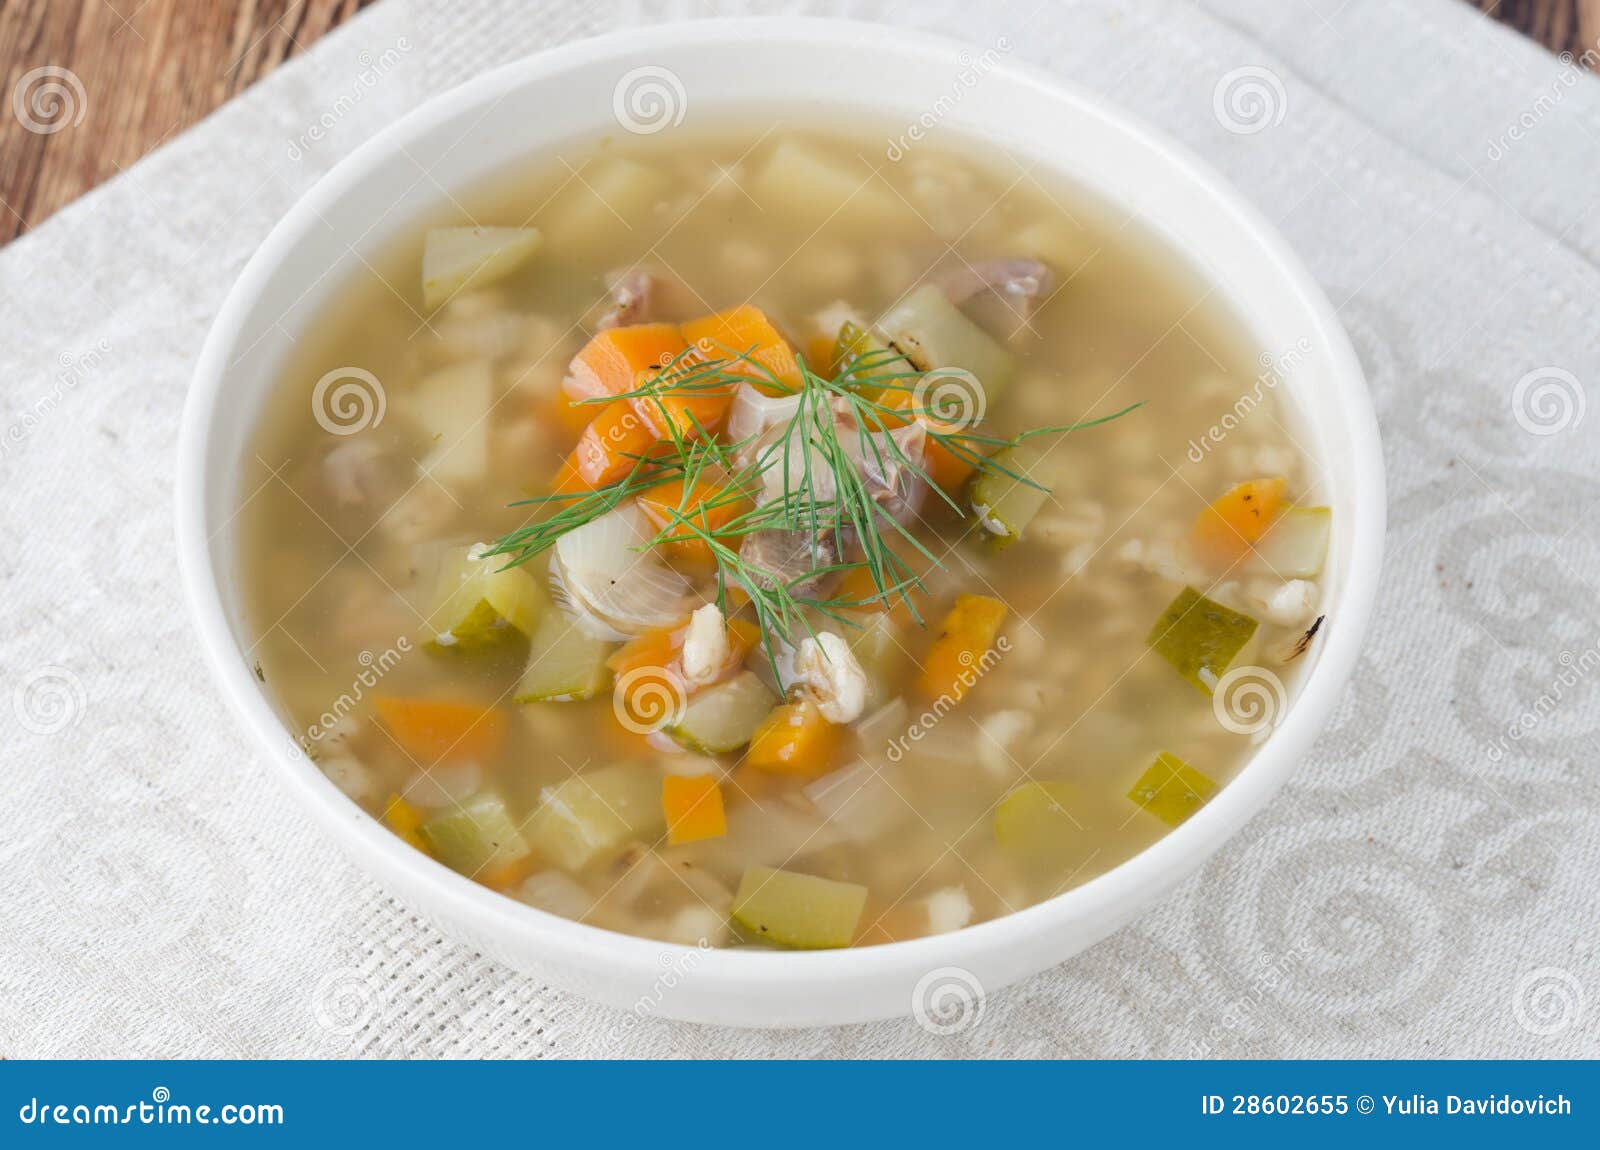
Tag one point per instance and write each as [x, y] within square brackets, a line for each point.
[1428, 885]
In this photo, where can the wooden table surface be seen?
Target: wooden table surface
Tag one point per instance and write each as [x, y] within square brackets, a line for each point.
[157, 66]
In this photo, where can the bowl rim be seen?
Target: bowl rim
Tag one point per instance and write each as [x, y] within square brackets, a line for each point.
[403, 869]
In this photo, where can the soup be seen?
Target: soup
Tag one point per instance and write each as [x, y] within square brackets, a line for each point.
[732, 538]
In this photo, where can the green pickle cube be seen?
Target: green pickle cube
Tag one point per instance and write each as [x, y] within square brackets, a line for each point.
[798, 910]
[1200, 637]
[1036, 818]
[1172, 790]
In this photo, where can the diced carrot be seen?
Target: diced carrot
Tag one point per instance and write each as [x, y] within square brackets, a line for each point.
[943, 466]
[745, 331]
[509, 874]
[965, 648]
[680, 405]
[611, 445]
[567, 480]
[1238, 517]
[434, 730]
[652, 649]
[794, 740]
[710, 505]
[819, 354]
[611, 361]
[569, 415]
[404, 821]
[693, 806]
[743, 635]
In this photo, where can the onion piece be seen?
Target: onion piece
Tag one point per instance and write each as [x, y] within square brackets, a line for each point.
[616, 589]
[860, 801]
[754, 412]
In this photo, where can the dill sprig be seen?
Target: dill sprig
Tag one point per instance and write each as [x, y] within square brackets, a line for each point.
[825, 493]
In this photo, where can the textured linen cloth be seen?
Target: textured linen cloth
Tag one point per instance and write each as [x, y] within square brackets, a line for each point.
[1429, 884]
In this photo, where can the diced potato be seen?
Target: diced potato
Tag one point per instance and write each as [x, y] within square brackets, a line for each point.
[1294, 547]
[1200, 637]
[802, 184]
[879, 649]
[454, 259]
[595, 815]
[477, 606]
[725, 717]
[935, 333]
[477, 835]
[798, 910]
[1036, 818]
[604, 206]
[1171, 789]
[452, 407]
[565, 662]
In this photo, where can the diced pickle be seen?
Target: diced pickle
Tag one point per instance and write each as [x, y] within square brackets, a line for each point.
[454, 259]
[1036, 818]
[596, 815]
[564, 662]
[1200, 637]
[1003, 503]
[877, 359]
[475, 835]
[934, 333]
[725, 717]
[1171, 789]
[798, 910]
[477, 606]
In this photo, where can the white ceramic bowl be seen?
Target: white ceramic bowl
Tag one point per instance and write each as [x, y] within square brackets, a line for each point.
[479, 127]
